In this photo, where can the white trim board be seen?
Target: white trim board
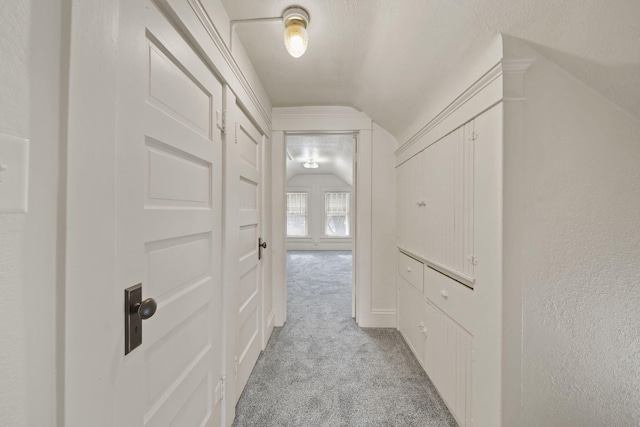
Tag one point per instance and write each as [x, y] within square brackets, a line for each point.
[320, 120]
[194, 21]
[488, 90]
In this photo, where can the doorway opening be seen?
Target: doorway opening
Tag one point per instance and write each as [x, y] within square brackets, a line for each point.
[321, 210]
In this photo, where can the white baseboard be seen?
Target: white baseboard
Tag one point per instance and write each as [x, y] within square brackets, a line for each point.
[379, 319]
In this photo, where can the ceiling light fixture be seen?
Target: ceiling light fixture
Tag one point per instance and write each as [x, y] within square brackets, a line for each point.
[295, 21]
[310, 164]
[296, 38]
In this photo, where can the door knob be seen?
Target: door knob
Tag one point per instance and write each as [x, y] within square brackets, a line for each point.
[146, 308]
[136, 310]
[261, 245]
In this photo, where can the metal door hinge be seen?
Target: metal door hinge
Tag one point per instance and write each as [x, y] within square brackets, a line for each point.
[223, 388]
[235, 366]
[473, 136]
[472, 259]
[221, 121]
[237, 132]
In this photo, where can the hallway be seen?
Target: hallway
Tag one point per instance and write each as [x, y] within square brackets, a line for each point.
[321, 369]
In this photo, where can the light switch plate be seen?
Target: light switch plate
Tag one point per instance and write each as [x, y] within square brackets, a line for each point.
[14, 174]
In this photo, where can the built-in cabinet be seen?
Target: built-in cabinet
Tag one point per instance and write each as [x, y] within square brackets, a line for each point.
[435, 204]
[442, 346]
[449, 189]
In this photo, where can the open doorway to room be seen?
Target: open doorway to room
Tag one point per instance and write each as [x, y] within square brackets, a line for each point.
[320, 224]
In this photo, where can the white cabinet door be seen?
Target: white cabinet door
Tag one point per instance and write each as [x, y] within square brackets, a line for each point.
[438, 176]
[412, 322]
[448, 361]
[410, 203]
[446, 185]
[419, 205]
[404, 202]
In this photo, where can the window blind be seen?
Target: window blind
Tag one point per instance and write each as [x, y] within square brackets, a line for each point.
[337, 203]
[296, 203]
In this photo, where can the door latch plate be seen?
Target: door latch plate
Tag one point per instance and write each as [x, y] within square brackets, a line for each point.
[132, 322]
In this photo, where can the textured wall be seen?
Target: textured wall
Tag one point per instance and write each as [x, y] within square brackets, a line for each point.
[29, 108]
[581, 288]
[14, 120]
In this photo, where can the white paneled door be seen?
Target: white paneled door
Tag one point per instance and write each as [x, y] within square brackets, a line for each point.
[248, 297]
[168, 199]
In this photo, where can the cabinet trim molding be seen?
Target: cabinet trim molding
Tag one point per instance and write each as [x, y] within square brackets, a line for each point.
[449, 272]
[507, 66]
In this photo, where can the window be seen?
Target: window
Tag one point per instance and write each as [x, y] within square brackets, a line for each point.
[297, 214]
[337, 214]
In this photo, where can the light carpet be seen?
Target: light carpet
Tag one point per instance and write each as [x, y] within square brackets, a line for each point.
[321, 369]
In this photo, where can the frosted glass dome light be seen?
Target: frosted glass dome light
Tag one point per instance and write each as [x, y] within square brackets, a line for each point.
[295, 31]
[310, 164]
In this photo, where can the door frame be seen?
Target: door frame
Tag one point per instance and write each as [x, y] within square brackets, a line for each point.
[323, 120]
[352, 201]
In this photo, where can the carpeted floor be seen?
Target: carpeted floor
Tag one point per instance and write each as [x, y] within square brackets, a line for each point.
[321, 369]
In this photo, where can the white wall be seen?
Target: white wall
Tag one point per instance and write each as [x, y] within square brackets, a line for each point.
[383, 222]
[14, 120]
[581, 269]
[571, 203]
[316, 185]
[29, 108]
[220, 19]
[375, 227]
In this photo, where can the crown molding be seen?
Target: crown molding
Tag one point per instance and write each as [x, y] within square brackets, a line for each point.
[516, 66]
[222, 47]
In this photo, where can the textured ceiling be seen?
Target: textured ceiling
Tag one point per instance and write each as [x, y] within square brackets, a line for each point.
[389, 57]
[333, 153]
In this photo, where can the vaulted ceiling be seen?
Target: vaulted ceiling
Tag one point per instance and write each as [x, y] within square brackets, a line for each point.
[332, 153]
[389, 57]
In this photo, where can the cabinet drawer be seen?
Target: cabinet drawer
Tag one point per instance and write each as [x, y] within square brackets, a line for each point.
[412, 270]
[452, 297]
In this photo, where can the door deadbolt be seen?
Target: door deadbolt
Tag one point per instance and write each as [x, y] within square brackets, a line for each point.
[136, 311]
